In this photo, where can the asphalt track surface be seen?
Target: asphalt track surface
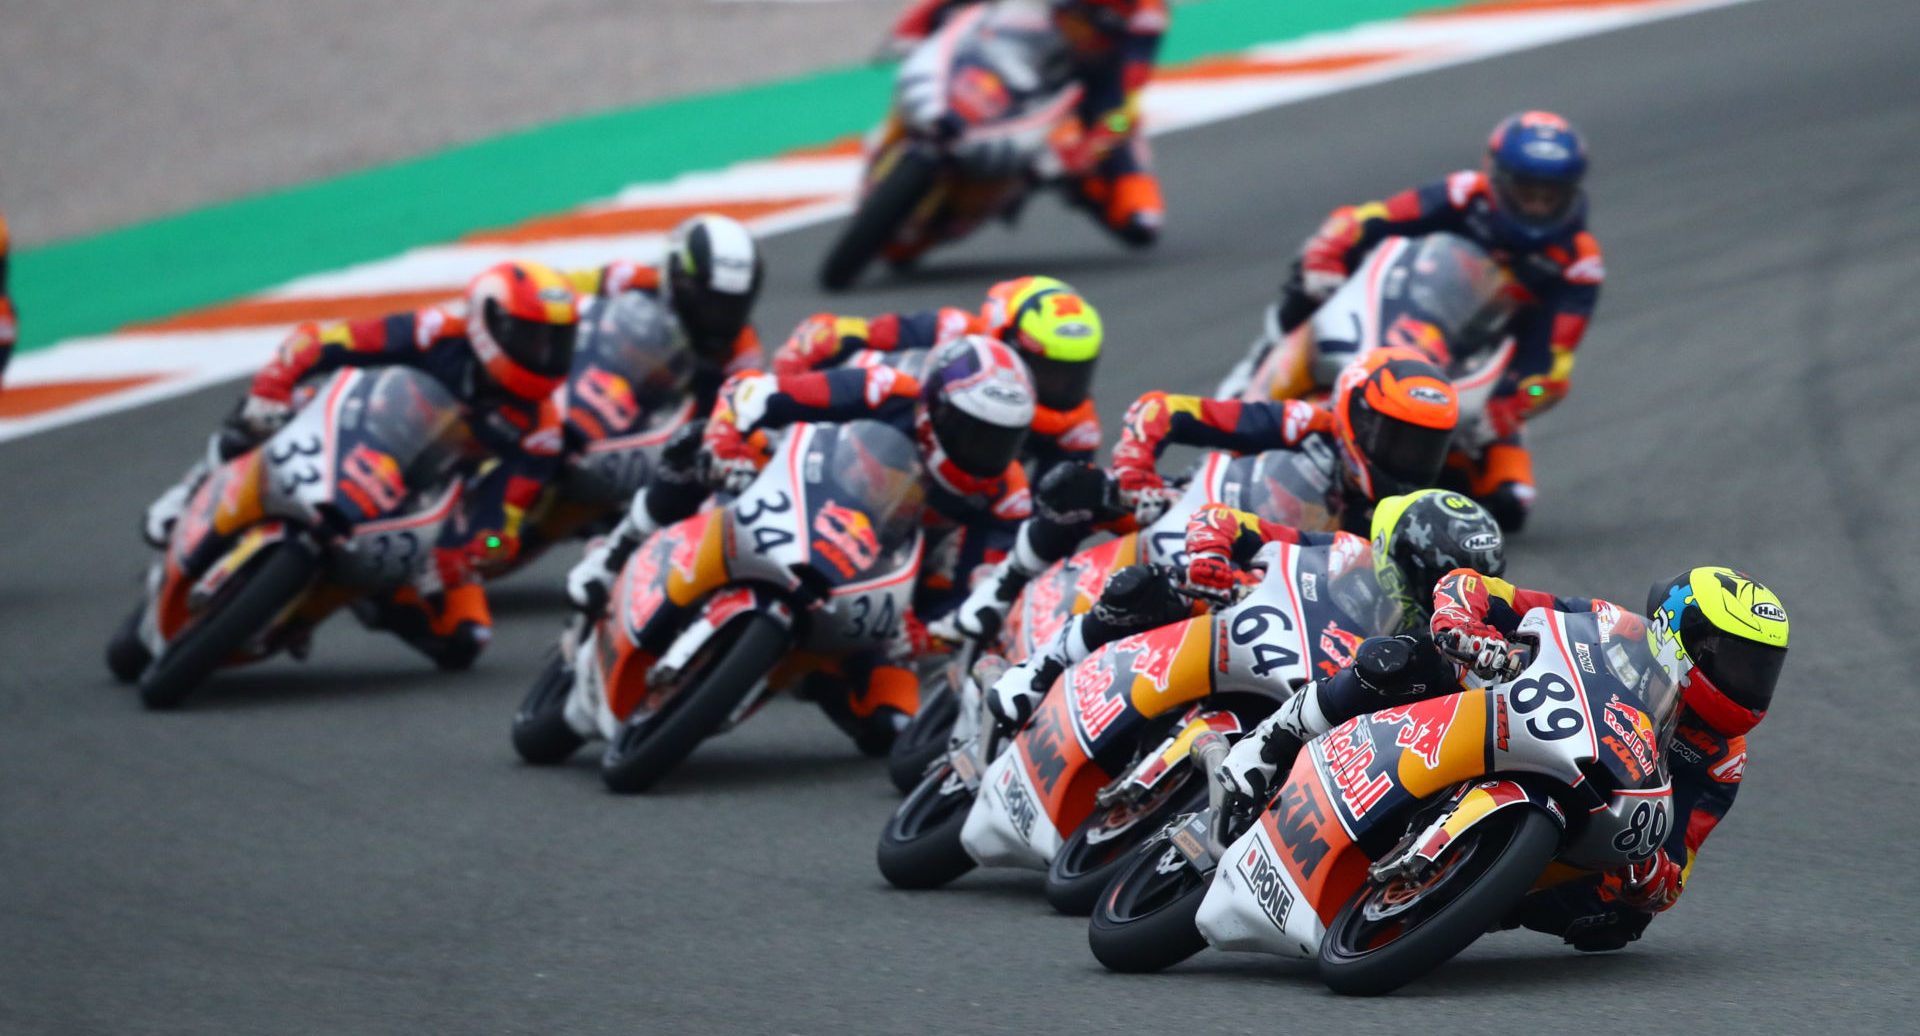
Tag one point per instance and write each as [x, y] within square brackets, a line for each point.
[350, 846]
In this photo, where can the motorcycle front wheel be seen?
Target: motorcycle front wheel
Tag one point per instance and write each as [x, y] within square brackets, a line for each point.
[885, 207]
[540, 731]
[1098, 848]
[1144, 919]
[920, 846]
[925, 738]
[263, 590]
[642, 752]
[1390, 934]
[127, 657]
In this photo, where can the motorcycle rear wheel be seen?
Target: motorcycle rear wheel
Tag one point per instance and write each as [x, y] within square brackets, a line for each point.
[540, 731]
[272, 582]
[925, 738]
[886, 206]
[920, 846]
[1144, 919]
[1389, 935]
[642, 753]
[1082, 868]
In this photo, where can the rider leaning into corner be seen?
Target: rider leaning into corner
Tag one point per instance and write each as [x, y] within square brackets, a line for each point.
[969, 418]
[1392, 416]
[1113, 44]
[1057, 333]
[1719, 633]
[9, 326]
[1526, 207]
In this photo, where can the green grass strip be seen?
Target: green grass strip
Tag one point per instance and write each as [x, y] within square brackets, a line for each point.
[226, 250]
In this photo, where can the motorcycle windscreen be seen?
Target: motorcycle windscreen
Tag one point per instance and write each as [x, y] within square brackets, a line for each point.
[1284, 486]
[1453, 285]
[867, 495]
[626, 365]
[407, 433]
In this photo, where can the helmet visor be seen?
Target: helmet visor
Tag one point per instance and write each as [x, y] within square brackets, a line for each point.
[541, 348]
[979, 448]
[1060, 384]
[1535, 201]
[1743, 670]
[713, 318]
[1401, 457]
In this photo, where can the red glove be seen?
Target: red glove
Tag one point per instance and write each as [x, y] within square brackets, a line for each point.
[728, 457]
[1323, 263]
[1652, 884]
[814, 343]
[1475, 644]
[1505, 414]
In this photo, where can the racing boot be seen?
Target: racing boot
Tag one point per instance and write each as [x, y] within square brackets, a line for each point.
[1503, 484]
[880, 700]
[1129, 205]
[450, 627]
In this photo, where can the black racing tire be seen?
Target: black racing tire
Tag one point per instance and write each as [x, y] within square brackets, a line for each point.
[642, 753]
[1097, 849]
[127, 656]
[267, 586]
[925, 737]
[920, 846]
[884, 208]
[1144, 918]
[1494, 865]
[540, 731]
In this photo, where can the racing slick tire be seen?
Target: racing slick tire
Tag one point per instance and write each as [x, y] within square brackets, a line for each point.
[127, 656]
[920, 846]
[925, 737]
[878, 219]
[263, 590]
[1144, 918]
[641, 753]
[1098, 848]
[1389, 935]
[540, 732]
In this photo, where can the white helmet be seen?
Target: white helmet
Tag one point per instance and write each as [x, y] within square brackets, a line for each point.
[977, 404]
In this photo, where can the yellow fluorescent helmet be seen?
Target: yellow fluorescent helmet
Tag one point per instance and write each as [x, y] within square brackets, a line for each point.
[1735, 603]
[1059, 325]
[1005, 298]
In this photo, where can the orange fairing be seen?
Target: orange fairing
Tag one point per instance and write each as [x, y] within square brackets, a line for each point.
[1182, 676]
[1292, 373]
[699, 566]
[238, 504]
[1061, 771]
[1443, 741]
[1305, 827]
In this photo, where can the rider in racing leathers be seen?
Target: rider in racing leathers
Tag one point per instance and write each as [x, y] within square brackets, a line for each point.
[1526, 208]
[1416, 538]
[1721, 635]
[503, 354]
[9, 326]
[1113, 44]
[706, 283]
[1057, 332]
[969, 418]
[1393, 415]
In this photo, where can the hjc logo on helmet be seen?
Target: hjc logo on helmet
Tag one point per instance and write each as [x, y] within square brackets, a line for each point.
[1427, 394]
[1770, 611]
[1482, 541]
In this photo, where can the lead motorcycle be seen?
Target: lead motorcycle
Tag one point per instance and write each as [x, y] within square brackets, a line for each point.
[1286, 486]
[1401, 836]
[1441, 294]
[967, 138]
[814, 562]
[345, 501]
[625, 397]
[1104, 761]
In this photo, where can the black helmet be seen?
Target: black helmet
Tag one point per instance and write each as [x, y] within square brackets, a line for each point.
[1723, 637]
[712, 272]
[1420, 537]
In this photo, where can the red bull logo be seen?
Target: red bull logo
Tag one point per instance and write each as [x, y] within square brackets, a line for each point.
[1635, 734]
[846, 538]
[609, 397]
[1339, 646]
[372, 480]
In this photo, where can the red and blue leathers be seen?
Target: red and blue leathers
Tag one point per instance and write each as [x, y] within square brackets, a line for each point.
[1561, 278]
[9, 326]
[824, 341]
[1105, 157]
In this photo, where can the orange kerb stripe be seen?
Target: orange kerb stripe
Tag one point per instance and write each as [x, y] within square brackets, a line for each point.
[259, 312]
[1527, 6]
[1233, 67]
[32, 400]
[607, 222]
[845, 147]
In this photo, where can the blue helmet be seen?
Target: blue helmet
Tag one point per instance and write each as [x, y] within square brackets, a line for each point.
[1534, 164]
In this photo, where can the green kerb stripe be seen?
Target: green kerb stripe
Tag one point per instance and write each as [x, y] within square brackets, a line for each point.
[209, 255]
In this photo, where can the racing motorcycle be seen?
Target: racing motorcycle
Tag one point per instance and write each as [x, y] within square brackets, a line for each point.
[1286, 486]
[625, 397]
[343, 502]
[1440, 294]
[813, 562]
[1104, 761]
[974, 108]
[1400, 836]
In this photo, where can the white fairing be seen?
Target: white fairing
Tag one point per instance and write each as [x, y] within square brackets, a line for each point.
[1007, 826]
[1254, 905]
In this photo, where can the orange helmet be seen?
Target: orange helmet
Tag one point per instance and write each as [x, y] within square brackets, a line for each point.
[521, 318]
[1394, 413]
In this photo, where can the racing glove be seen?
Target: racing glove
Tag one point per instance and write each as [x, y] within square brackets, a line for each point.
[728, 460]
[1145, 493]
[813, 344]
[1211, 573]
[1076, 494]
[1651, 885]
[1478, 646]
